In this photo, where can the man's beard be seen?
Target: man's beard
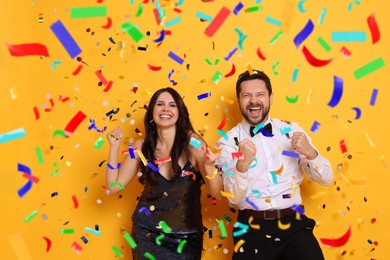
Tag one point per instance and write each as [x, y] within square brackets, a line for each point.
[264, 115]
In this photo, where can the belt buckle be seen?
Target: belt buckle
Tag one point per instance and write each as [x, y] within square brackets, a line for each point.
[270, 218]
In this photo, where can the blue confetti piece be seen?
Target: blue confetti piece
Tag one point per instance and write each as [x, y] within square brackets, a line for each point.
[172, 22]
[295, 75]
[372, 100]
[272, 21]
[230, 54]
[84, 239]
[204, 16]
[251, 203]
[238, 8]
[204, 95]
[195, 142]
[302, 35]
[321, 19]
[337, 91]
[12, 135]
[131, 151]
[65, 38]
[314, 128]
[290, 154]
[152, 166]
[23, 191]
[298, 209]
[175, 58]
[349, 37]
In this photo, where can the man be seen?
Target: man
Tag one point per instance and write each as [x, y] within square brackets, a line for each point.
[264, 161]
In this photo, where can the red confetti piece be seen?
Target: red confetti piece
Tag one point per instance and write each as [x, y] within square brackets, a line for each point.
[259, 54]
[163, 160]
[60, 98]
[313, 60]
[109, 84]
[217, 21]
[108, 24]
[74, 123]
[52, 105]
[345, 52]
[48, 243]
[75, 201]
[343, 146]
[34, 179]
[189, 173]
[157, 16]
[373, 220]
[154, 68]
[374, 29]
[232, 71]
[222, 124]
[36, 112]
[237, 156]
[101, 77]
[338, 241]
[28, 49]
[76, 247]
[77, 70]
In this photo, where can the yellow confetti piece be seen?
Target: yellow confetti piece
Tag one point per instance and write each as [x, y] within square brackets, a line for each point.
[268, 200]
[249, 67]
[317, 195]
[214, 174]
[279, 170]
[141, 155]
[283, 226]
[227, 100]
[238, 245]
[369, 140]
[227, 194]
[257, 226]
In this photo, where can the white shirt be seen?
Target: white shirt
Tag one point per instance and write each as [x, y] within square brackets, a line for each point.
[272, 180]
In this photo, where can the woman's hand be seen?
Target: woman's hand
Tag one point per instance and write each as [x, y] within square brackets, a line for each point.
[115, 137]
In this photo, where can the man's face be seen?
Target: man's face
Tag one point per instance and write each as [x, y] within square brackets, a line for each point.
[254, 101]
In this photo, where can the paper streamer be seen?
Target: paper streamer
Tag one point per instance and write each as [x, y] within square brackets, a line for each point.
[303, 34]
[28, 49]
[338, 87]
[65, 38]
[338, 242]
[217, 21]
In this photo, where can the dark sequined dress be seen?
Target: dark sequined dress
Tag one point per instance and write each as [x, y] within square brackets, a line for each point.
[167, 222]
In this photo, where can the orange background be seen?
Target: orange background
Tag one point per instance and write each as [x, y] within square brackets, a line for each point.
[70, 165]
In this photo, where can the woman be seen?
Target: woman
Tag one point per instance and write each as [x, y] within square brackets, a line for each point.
[175, 162]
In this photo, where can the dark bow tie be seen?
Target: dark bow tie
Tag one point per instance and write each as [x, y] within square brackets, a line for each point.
[265, 130]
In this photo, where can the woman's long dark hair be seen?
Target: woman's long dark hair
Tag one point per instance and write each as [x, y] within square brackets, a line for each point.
[182, 136]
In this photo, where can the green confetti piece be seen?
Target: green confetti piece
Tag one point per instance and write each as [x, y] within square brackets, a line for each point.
[140, 10]
[181, 245]
[222, 228]
[88, 12]
[31, 216]
[324, 44]
[253, 9]
[131, 30]
[369, 68]
[292, 100]
[59, 132]
[67, 231]
[149, 256]
[118, 253]
[130, 240]
[99, 143]
[159, 238]
[165, 227]
[39, 155]
[276, 37]
[56, 170]
[112, 184]
[121, 187]
[217, 77]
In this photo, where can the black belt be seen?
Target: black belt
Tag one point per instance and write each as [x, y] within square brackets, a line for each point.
[268, 214]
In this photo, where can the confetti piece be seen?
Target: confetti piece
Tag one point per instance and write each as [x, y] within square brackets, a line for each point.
[282, 226]
[172, 22]
[19, 247]
[175, 58]
[84, 239]
[338, 87]
[253, 9]
[260, 54]
[374, 94]
[48, 243]
[369, 68]
[217, 21]
[31, 216]
[152, 167]
[276, 37]
[223, 134]
[108, 24]
[149, 256]
[65, 38]
[203, 16]
[59, 132]
[161, 38]
[165, 227]
[204, 95]
[348, 36]
[154, 68]
[76, 247]
[343, 146]
[12, 135]
[250, 220]
[243, 229]
[27, 49]
[298, 209]
[358, 112]
[290, 154]
[324, 44]
[159, 238]
[345, 52]
[231, 53]
[92, 231]
[338, 242]
[132, 31]
[300, 6]
[227, 194]
[222, 227]
[67, 231]
[216, 78]
[130, 240]
[88, 12]
[313, 60]
[140, 10]
[222, 124]
[322, 16]
[238, 8]
[181, 245]
[75, 201]
[238, 245]
[272, 21]
[369, 140]
[292, 100]
[247, 200]
[374, 29]
[315, 126]
[304, 34]
[77, 70]
[74, 123]
[195, 142]
[118, 253]
[26, 188]
[102, 79]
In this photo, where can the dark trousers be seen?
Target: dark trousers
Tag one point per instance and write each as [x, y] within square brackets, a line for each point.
[272, 243]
